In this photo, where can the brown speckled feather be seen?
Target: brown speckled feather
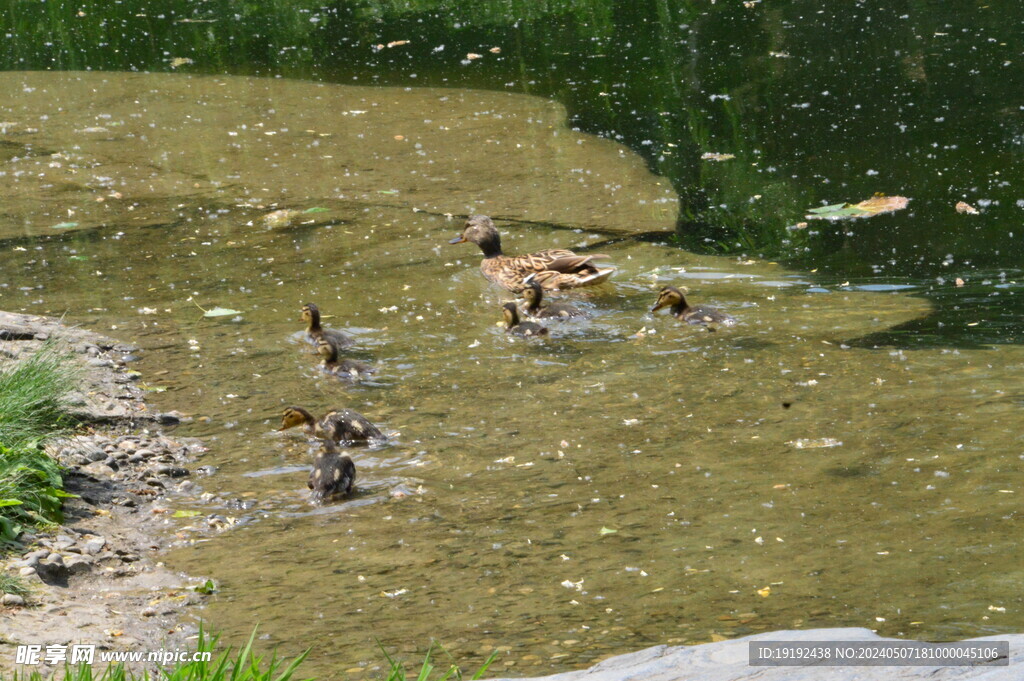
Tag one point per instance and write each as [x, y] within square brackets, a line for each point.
[554, 268]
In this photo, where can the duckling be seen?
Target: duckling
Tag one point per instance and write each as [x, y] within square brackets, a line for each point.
[518, 328]
[684, 312]
[314, 332]
[533, 293]
[553, 268]
[332, 473]
[339, 425]
[346, 368]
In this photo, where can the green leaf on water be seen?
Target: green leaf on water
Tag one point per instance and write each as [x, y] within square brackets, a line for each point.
[387, 191]
[207, 587]
[154, 388]
[315, 209]
[185, 514]
[220, 312]
[607, 530]
[66, 225]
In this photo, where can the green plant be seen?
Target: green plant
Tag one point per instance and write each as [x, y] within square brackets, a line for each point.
[30, 490]
[11, 584]
[33, 397]
[396, 668]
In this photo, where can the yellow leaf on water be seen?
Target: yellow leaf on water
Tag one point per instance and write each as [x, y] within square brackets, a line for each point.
[765, 592]
[963, 207]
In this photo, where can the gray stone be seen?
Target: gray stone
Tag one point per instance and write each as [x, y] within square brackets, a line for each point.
[94, 545]
[728, 661]
[12, 599]
[53, 559]
[77, 565]
[27, 572]
[98, 470]
[95, 454]
[144, 453]
[128, 445]
[149, 612]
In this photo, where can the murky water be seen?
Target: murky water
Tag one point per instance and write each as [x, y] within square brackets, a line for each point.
[629, 482]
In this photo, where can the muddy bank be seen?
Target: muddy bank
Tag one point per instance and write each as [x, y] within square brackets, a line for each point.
[98, 579]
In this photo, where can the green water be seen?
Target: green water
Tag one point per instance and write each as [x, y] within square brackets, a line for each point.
[629, 482]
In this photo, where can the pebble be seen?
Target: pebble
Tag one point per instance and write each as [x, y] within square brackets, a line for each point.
[98, 470]
[26, 572]
[144, 453]
[128, 445]
[95, 454]
[77, 565]
[12, 599]
[94, 545]
[149, 612]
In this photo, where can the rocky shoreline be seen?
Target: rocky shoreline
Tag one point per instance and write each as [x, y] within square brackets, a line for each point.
[97, 579]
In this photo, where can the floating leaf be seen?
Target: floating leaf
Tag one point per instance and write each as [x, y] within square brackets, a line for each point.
[220, 312]
[815, 443]
[77, 257]
[714, 156]
[607, 530]
[963, 207]
[387, 191]
[185, 514]
[876, 205]
[315, 209]
[207, 587]
[65, 225]
[154, 388]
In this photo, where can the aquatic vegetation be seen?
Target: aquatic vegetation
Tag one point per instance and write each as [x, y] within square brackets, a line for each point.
[396, 668]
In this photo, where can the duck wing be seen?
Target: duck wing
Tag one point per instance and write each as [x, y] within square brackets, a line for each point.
[347, 425]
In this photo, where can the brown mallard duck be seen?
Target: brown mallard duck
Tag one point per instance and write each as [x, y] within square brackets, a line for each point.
[534, 294]
[346, 368]
[518, 328]
[555, 268]
[333, 473]
[315, 332]
[339, 425]
[670, 296]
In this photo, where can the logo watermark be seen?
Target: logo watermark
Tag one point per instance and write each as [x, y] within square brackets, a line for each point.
[87, 654]
[878, 654]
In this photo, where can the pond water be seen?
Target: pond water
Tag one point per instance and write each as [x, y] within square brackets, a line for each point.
[628, 482]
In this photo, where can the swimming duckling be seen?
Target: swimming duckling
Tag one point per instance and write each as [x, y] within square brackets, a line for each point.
[533, 293]
[518, 328]
[332, 473]
[314, 332]
[684, 312]
[346, 368]
[339, 425]
[553, 268]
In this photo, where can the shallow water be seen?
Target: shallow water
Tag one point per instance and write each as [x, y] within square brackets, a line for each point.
[629, 482]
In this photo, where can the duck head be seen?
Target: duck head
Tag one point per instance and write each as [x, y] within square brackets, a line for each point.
[669, 296]
[480, 230]
[295, 416]
[511, 315]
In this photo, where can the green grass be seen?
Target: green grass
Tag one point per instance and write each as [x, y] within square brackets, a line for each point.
[10, 584]
[33, 396]
[243, 665]
[396, 668]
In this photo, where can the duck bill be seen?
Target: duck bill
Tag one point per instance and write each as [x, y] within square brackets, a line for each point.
[658, 306]
[457, 240]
